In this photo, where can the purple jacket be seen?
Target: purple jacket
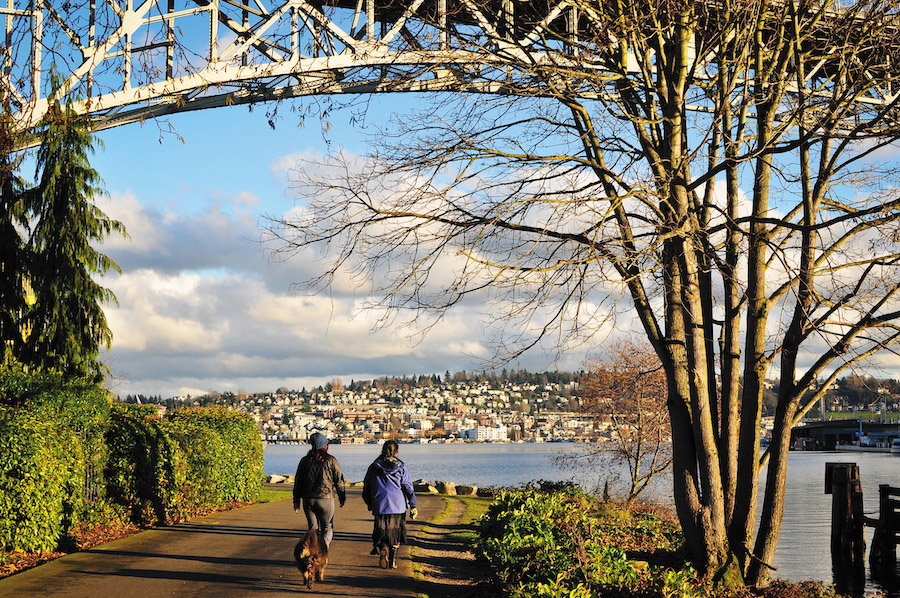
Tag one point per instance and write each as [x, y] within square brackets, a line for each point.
[388, 488]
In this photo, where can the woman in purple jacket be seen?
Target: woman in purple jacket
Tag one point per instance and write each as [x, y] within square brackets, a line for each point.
[387, 491]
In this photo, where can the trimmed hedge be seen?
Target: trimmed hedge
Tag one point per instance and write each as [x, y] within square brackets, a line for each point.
[51, 436]
[41, 475]
[146, 471]
[199, 460]
[67, 454]
[236, 467]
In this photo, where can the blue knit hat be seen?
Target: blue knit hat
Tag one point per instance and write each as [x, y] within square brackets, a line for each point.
[318, 441]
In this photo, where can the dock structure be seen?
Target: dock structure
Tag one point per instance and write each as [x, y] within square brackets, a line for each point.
[848, 546]
[844, 434]
[883, 557]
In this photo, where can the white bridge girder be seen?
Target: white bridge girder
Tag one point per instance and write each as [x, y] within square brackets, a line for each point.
[130, 63]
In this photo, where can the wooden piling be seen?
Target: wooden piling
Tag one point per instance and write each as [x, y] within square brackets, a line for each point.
[887, 530]
[848, 546]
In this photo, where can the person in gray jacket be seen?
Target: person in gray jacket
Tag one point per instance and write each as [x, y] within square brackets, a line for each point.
[317, 481]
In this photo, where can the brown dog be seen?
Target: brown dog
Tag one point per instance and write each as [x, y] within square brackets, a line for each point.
[311, 555]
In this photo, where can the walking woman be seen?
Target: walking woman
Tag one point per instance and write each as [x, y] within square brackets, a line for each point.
[316, 483]
[388, 491]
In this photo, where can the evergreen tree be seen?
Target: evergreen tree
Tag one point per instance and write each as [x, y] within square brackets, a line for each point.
[66, 323]
[12, 287]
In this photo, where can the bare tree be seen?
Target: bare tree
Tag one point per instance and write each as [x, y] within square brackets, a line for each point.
[624, 390]
[715, 169]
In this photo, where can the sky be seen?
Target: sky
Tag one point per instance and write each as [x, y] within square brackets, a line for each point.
[204, 306]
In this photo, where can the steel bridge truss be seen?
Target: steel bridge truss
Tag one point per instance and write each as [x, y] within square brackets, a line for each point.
[165, 56]
[130, 63]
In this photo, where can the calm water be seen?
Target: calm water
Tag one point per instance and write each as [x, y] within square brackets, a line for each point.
[804, 552]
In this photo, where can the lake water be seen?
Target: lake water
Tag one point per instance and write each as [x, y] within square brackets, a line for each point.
[804, 551]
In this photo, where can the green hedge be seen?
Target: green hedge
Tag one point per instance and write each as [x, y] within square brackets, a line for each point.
[41, 476]
[236, 468]
[68, 453]
[51, 438]
[167, 470]
[146, 471]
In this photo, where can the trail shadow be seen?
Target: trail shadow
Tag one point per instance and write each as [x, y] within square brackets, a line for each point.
[256, 584]
[439, 526]
[450, 566]
[434, 544]
[213, 560]
[232, 530]
[380, 580]
[340, 536]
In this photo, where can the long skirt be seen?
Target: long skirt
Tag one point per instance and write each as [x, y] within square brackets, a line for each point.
[390, 530]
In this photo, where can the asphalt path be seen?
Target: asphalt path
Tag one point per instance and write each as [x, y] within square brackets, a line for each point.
[244, 552]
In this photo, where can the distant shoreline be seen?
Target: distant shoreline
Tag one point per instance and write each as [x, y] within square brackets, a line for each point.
[344, 442]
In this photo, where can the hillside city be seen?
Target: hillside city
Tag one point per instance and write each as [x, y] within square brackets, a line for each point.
[509, 407]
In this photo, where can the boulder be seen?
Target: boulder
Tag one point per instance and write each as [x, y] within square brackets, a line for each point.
[486, 492]
[276, 479]
[448, 488]
[422, 486]
[466, 490]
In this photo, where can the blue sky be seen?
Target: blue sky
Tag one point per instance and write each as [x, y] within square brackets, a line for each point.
[202, 306]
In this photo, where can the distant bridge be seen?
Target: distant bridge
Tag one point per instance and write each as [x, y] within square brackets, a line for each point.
[130, 63]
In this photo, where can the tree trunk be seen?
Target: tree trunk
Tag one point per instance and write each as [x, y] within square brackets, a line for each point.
[773, 503]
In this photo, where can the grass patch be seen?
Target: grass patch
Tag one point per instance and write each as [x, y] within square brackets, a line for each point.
[476, 506]
[445, 513]
[268, 494]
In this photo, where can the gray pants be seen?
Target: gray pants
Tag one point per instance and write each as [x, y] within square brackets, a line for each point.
[320, 516]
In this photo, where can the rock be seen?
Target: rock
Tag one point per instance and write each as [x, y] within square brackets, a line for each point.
[466, 490]
[276, 479]
[355, 484]
[448, 488]
[422, 486]
[486, 492]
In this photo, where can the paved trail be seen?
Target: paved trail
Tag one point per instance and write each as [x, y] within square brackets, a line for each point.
[246, 552]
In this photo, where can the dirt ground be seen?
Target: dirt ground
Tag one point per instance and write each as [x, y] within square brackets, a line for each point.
[444, 564]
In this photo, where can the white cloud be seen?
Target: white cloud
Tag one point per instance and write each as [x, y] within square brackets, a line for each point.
[154, 313]
[201, 307]
[143, 233]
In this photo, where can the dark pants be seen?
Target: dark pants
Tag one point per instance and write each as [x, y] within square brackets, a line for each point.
[320, 515]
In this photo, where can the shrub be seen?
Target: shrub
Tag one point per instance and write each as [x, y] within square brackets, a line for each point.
[197, 461]
[146, 471]
[41, 475]
[70, 460]
[546, 544]
[202, 449]
[237, 467]
[51, 439]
